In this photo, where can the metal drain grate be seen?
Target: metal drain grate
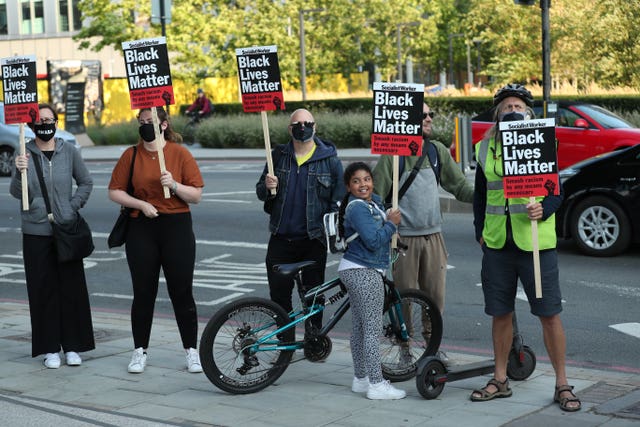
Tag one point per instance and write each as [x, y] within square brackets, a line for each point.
[602, 392]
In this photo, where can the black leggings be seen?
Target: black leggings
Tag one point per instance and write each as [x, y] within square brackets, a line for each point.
[168, 242]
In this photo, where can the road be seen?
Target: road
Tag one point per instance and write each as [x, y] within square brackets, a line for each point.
[601, 296]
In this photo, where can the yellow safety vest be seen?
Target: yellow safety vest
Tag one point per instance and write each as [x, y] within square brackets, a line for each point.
[494, 232]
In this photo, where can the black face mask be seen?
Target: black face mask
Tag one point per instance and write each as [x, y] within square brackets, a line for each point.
[511, 117]
[45, 131]
[147, 133]
[302, 132]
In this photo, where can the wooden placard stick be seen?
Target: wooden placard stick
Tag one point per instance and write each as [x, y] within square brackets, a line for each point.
[267, 145]
[394, 194]
[536, 253]
[159, 146]
[23, 174]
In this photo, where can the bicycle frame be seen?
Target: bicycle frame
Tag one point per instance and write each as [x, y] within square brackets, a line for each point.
[267, 343]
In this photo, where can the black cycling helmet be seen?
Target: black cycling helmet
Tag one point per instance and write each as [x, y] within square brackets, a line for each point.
[513, 89]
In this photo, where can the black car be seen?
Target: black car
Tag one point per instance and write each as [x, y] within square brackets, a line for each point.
[601, 208]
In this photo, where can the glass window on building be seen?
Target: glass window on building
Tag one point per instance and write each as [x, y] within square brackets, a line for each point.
[31, 17]
[3, 17]
[69, 16]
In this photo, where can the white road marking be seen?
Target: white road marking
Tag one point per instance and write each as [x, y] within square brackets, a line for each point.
[632, 329]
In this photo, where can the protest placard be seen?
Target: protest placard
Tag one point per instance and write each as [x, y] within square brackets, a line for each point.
[530, 169]
[20, 90]
[149, 78]
[261, 88]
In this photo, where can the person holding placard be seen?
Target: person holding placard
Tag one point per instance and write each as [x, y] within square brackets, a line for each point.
[503, 229]
[58, 296]
[424, 265]
[160, 233]
[308, 184]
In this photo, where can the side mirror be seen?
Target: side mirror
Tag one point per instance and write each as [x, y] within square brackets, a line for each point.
[581, 123]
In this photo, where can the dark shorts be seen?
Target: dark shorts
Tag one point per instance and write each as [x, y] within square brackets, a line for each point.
[501, 269]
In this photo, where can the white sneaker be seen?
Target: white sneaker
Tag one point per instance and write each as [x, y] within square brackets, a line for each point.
[138, 361]
[385, 391]
[193, 361]
[73, 358]
[360, 385]
[52, 360]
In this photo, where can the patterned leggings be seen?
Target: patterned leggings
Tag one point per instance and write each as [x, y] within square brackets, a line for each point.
[366, 294]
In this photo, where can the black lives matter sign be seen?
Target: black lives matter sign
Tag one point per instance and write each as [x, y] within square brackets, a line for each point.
[20, 89]
[529, 158]
[397, 119]
[259, 74]
[148, 74]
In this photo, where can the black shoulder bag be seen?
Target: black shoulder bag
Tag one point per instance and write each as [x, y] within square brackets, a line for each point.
[73, 241]
[118, 235]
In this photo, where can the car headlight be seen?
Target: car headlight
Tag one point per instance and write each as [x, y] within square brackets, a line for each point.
[567, 173]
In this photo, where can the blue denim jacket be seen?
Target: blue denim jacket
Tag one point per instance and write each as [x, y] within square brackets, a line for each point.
[371, 248]
[324, 187]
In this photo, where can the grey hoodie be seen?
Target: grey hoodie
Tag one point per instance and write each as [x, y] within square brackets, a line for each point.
[66, 165]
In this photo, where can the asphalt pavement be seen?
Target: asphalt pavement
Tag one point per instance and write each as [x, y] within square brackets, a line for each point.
[100, 392]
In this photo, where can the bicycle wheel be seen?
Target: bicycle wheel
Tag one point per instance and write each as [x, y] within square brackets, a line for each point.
[424, 326]
[226, 341]
[189, 133]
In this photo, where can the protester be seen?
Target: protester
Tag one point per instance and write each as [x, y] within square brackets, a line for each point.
[58, 296]
[160, 233]
[361, 269]
[308, 184]
[424, 265]
[202, 105]
[503, 229]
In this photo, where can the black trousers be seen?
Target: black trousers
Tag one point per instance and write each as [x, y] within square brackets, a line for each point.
[58, 299]
[285, 251]
[165, 242]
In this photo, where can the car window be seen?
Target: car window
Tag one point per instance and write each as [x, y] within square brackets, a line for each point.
[566, 118]
[605, 118]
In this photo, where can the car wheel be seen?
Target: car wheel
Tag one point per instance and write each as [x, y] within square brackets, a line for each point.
[6, 161]
[600, 227]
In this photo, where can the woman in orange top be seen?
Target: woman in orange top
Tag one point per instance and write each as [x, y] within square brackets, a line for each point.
[160, 233]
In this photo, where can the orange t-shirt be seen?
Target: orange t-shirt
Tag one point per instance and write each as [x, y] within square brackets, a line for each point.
[146, 176]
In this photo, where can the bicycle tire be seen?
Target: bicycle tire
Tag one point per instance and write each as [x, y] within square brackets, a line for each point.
[234, 327]
[400, 359]
[189, 133]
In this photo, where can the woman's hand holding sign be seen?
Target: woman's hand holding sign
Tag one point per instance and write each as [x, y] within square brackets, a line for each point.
[534, 210]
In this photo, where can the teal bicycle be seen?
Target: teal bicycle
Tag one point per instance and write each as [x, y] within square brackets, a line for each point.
[249, 343]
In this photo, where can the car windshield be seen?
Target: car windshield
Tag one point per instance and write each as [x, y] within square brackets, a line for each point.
[606, 118]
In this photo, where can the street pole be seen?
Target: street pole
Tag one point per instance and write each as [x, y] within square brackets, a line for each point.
[303, 65]
[546, 52]
[399, 52]
[451, 36]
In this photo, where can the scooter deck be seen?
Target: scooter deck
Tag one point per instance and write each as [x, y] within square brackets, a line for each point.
[467, 371]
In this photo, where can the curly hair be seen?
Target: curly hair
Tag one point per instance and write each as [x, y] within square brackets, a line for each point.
[349, 171]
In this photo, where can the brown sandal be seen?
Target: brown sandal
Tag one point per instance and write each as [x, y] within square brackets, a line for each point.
[502, 390]
[563, 401]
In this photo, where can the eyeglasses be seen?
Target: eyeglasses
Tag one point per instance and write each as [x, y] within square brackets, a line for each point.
[305, 124]
[430, 114]
[46, 121]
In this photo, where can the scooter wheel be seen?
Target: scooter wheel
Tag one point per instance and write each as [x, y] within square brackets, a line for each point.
[426, 379]
[520, 368]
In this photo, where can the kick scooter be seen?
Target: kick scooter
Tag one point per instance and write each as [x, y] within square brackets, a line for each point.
[432, 373]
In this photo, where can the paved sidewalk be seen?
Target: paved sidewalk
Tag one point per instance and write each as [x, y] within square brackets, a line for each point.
[102, 393]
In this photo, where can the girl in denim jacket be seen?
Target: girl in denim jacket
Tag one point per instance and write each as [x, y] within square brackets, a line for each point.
[361, 269]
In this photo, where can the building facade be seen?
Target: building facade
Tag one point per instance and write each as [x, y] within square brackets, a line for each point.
[45, 28]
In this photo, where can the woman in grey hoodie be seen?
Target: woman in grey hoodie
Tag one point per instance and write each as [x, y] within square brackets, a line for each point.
[58, 296]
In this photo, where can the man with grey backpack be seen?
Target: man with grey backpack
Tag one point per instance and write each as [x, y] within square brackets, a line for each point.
[424, 265]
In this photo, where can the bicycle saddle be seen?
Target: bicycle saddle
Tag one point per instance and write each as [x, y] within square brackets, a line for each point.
[289, 269]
